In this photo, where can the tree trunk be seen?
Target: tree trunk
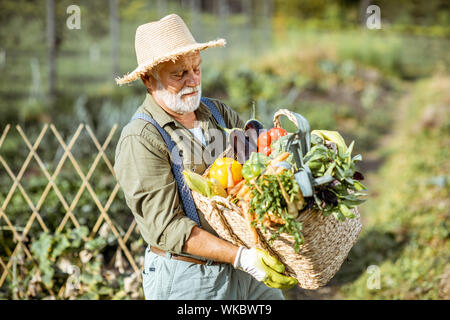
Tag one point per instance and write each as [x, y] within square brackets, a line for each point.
[267, 24]
[51, 53]
[223, 16]
[115, 36]
[247, 7]
[268, 15]
[223, 21]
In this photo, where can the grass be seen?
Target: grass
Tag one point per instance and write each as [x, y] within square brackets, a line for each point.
[406, 221]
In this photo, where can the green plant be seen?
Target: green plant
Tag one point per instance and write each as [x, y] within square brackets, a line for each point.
[68, 265]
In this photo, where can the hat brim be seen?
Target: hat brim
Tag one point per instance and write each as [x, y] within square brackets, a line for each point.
[173, 55]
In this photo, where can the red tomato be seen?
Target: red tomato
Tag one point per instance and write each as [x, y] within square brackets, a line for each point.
[263, 142]
[266, 150]
[276, 133]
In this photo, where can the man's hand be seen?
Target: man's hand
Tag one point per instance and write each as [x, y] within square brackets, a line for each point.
[263, 267]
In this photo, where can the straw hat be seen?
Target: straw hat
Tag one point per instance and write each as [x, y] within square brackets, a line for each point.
[161, 41]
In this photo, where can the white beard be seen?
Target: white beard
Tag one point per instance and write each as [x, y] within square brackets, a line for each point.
[174, 102]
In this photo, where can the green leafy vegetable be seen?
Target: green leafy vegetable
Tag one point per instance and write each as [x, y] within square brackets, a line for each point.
[330, 156]
[255, 165]
[268, 199]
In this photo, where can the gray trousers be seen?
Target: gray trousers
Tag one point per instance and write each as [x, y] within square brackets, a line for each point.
[168, 279]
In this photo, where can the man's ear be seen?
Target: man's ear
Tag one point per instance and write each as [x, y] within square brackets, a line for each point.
[149, 81]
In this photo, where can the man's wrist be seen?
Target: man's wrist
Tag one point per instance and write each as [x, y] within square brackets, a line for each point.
[204, 244]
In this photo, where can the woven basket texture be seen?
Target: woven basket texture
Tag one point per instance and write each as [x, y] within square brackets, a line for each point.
[327, 241]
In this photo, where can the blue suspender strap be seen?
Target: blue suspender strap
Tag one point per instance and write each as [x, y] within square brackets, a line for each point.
[177, 170]
[216, 114]
[177, 162]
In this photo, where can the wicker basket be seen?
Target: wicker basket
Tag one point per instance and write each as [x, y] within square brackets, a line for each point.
[327, 241]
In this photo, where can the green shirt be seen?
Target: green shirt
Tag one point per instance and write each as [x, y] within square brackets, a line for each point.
[143, 170]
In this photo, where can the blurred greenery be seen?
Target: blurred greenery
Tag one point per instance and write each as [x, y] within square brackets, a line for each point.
[406, 231]
[386, 89]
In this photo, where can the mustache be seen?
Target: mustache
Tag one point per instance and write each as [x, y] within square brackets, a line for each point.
[187, 90]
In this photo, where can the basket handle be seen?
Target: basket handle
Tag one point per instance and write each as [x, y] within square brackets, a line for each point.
[299, 144]
[302, 129]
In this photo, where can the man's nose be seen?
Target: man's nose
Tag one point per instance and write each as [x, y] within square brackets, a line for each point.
[193, 79]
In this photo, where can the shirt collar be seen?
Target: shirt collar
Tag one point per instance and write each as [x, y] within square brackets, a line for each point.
[163, 118]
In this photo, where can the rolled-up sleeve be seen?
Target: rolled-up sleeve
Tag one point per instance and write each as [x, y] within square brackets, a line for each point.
[144, 173]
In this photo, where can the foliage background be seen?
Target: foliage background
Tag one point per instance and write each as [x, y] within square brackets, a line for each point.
[387, 89]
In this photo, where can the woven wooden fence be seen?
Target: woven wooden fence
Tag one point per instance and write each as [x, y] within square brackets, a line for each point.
[19, 234]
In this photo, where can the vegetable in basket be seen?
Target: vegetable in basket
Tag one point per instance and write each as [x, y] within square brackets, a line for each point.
[244, 141]
[332, 136]
[276, 133]
[269, 196]
[255, 165]
[276, 202]
[328, 157]
[264, 143]
[227, 171]
[319, 170]
[265, 139]
[207, 187]
[280, 146]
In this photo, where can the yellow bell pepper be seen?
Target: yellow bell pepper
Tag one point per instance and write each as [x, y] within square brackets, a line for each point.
[227, 171]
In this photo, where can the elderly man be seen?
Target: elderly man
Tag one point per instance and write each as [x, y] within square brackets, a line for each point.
[185, 258]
